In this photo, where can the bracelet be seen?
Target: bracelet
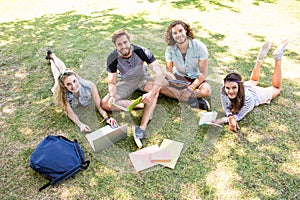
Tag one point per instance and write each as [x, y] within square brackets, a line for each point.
[231, 116]
[189, 90]
[106, 118]
[191, 87]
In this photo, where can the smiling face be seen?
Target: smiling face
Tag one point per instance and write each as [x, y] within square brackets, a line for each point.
[122, 44]
[231, 89]
[179, 34]
[71, 83]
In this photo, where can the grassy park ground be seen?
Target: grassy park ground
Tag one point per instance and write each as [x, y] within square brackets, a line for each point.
[261, 161]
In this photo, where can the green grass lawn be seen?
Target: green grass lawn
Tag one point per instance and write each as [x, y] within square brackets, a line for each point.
[261, 161]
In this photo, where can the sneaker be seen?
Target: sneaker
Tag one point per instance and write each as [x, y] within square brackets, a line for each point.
[138, 135]
[200, 103]
[53, 89]
[264, 51]
[48, 55]
[278, 52]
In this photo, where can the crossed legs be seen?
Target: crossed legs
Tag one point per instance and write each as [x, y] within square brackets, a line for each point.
[276, 77]
[277, 74]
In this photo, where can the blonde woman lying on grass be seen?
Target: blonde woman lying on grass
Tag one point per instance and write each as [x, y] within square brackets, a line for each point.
[72, 91]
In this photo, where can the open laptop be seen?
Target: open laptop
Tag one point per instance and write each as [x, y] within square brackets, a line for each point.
[106, 136]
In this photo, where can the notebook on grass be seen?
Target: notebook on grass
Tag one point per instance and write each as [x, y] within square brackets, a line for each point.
[161, 155]
[174, 148]
[141, 159]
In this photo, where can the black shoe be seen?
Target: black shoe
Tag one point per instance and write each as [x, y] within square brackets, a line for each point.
[138, 135]
[199, 103]
[48, 55]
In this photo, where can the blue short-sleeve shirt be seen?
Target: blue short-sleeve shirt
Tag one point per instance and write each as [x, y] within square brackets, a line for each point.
[189, 66]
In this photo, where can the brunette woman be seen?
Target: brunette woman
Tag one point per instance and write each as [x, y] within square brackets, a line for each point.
[239, 98]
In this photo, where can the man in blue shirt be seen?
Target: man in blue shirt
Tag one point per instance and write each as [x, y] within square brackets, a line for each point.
[186, 60]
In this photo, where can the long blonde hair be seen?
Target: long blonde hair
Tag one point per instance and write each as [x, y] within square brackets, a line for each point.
[61, 91]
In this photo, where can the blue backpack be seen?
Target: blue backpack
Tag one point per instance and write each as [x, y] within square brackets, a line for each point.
[57, 159]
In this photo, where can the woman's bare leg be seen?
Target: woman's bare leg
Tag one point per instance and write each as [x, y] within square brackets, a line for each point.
[57, 66]
[277, 75]
[261, 55]
[255, 73]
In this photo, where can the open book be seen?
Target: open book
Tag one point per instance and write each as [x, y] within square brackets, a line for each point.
[208, 118]
[130, 107]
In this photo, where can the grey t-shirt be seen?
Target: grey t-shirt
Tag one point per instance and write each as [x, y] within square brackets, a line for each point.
[133, 66]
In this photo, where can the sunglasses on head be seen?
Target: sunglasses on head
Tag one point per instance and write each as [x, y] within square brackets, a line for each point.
[62, 74]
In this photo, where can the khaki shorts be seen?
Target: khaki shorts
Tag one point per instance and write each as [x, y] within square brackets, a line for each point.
[126, 87]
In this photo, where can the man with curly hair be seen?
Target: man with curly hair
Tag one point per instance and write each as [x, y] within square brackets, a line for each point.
[186, 66]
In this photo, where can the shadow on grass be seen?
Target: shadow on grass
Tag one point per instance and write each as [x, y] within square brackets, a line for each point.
[83, 43]
[201, 5]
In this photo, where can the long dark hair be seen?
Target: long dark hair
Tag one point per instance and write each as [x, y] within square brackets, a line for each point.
[238, 102]
[168, 34]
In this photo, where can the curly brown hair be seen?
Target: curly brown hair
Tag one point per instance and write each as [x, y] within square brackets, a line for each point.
[238, 102]
[168, 34]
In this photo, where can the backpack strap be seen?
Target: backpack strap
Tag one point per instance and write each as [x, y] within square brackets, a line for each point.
[84, 163]
[63, 137]
[45, 186]
[66, 175]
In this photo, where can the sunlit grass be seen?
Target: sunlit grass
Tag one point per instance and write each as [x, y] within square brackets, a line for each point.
[261, 161]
